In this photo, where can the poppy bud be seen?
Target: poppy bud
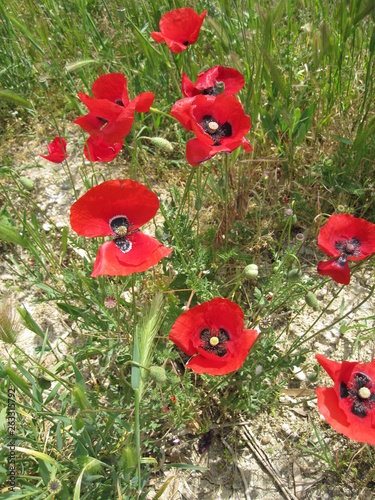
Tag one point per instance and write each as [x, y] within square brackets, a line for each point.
[121, 14]
[54, 486]
[44, 383]
[158, 374]
[294, 275]
[265, 325]
[110, 302]
[312, 301]
[43, 83]
[162, 144]
[294, 219]
[28, 184]
[250, 271]
[220, 87]
[159, 233]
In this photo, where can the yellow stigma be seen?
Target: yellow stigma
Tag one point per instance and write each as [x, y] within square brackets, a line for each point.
[364, 392]
[212, 127]
[214, 341]
[122, 230]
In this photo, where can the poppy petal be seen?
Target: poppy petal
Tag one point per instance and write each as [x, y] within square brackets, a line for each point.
[233, 80]
[143, 102]
[145, 252]
[181, 111]
[179, 28]
[246, 145]
[111, 86]
[333, 368]
[90, 214]
[175, 47]
[57, 150]
[339, 273]
[187, 86]
[90, 123]
[157, 36]
[96, 149]
[219, 318]
[345, 227]
[198, 152]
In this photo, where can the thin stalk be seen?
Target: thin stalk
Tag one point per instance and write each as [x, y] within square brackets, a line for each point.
[226, 168]
[137, 435]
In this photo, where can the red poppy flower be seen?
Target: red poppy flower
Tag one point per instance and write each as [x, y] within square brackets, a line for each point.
[213, 333]
[56, 150]
[215, 81]
[96, 149]
[111, 112]
[349, 406]
[345, 237]
[219, 123]
[118, 208]
[179, 28]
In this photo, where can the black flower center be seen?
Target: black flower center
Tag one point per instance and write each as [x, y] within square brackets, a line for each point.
[186, 43]
[217, 89]
[119, 102]
[214, 341]
[359, 391]
[216, 131]
[348, 248]
[120, 226]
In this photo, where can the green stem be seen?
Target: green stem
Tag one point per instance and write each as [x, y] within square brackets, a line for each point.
[137, 435]
[226, 200]
[186, 192]
[158, 112]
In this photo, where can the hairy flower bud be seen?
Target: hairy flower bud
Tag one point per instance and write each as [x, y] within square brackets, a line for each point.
[158, 374]
[251, 271]
[293, 275]
[312, 301]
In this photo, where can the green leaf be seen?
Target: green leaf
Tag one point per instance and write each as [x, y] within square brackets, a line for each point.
[11, 235]
[269, 127]
[37, 454]
[30, 323]
[79, 64]
[12, 97]
[18, 381]
[276, 75]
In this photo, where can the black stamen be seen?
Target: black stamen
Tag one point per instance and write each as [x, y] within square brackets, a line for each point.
[361, 379]
[210, 91]
[344, 391]
[119, 102]
[224, 130]
[359, 409]
[117, 222]
[218, 349]
[123, 244]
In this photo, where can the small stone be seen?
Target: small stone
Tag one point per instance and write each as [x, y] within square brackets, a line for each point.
[258, 370]
[47, 226]
[299, 374]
